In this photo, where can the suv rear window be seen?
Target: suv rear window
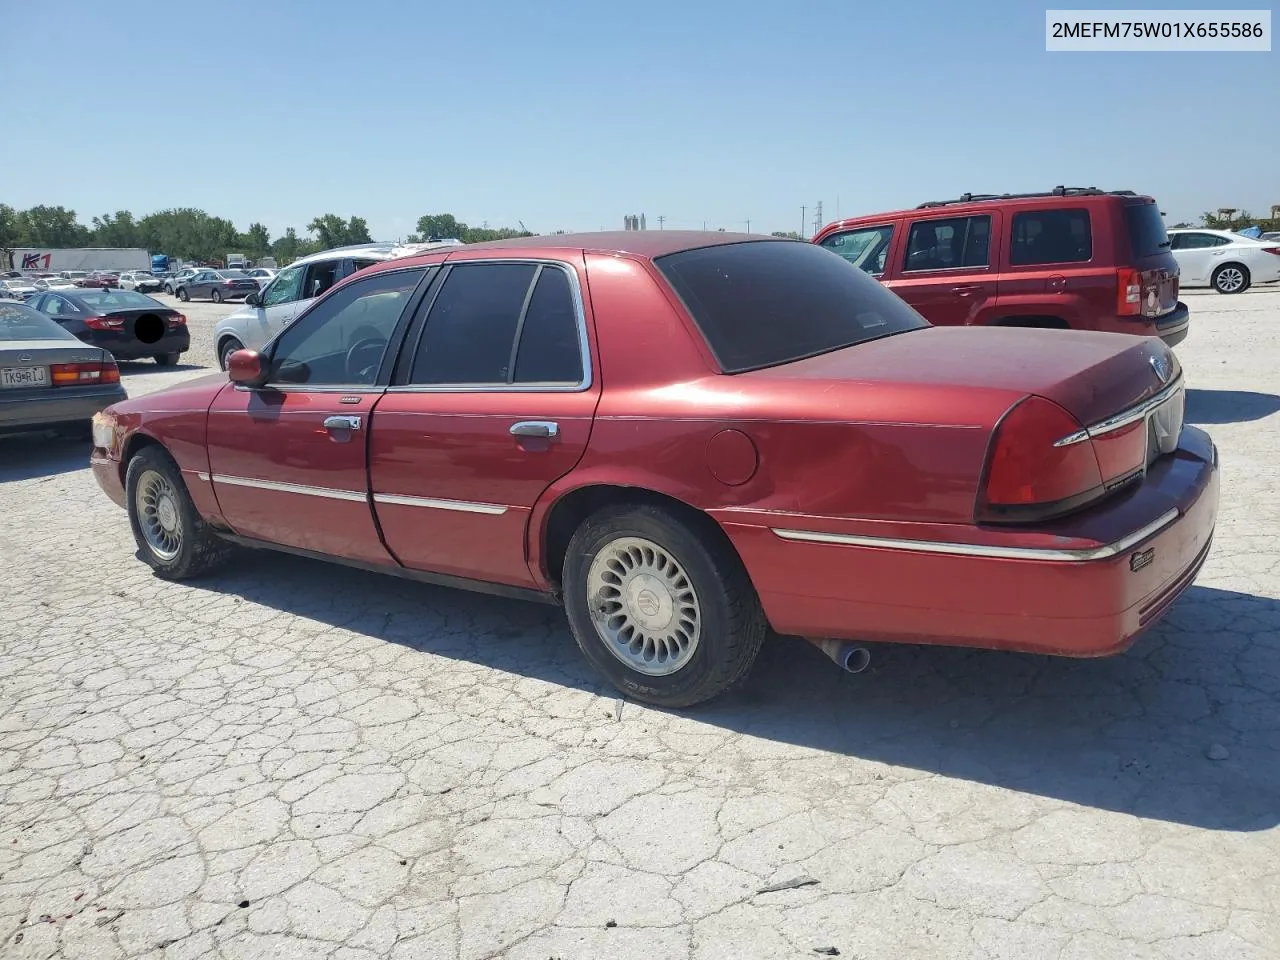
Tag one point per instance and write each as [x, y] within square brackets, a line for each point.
[1051, 236]
[1147, 235]
[766, 302]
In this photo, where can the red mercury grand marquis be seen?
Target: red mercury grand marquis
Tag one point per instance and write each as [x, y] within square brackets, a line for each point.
[688, 439]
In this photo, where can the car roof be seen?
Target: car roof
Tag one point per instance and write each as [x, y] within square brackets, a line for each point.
[976, 203]
[642, 243]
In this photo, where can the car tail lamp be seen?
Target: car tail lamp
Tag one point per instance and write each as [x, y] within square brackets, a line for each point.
[1275, 250]
[1128, 292]
[1041, 464]
[177, 320]
[84, 374]
[103, 323]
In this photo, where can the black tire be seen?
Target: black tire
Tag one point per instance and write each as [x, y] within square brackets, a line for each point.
[167, 359]
[199, 549]
[183, 295]
[732, 624]
[1237, 273]
[216, 295]
[229, 346]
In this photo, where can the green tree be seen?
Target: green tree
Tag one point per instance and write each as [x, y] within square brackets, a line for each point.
[117, 231]
[10, 235]
[188, 233]
[332, 231]
[288, 248]
[256, 241]
[440, 226]
[52, 227]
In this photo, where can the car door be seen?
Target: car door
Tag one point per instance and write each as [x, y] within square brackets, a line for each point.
[868, 248]
[288, 460]
[1197, 254]
[946, 270]
[278, 304]
[492, 401]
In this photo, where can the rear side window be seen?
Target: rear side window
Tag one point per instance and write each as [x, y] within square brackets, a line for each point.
[945, 244]
[1147, 236]
[767, 302]
[1051, 236]
[498, 324]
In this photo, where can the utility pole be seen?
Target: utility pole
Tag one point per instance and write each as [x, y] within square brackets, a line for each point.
[748, 226]
[804, 225]
[661, 221]
[704, 224]
[817, 219]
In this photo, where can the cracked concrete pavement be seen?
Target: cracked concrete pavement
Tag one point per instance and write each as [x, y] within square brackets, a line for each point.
[298, 761]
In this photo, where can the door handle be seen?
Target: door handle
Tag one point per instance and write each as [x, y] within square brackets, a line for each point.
[543, 429]
[342, 423]
[966, 291]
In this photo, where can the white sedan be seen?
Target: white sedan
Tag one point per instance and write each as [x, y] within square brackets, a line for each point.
[1225, 261]
[263, 275]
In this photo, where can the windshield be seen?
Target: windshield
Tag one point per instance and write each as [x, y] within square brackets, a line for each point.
[118, 300]
[1147, 236]
[20, 322]
[233, 274]
[763, 303]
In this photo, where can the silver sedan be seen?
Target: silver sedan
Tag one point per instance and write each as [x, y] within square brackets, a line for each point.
[49, 380]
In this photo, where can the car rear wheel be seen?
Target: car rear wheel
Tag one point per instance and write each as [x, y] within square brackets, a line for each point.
[183, 295]
[1231, 278]
[167, 359]
[216, 296]
[667, 615]
[229, 346]
[172, 537]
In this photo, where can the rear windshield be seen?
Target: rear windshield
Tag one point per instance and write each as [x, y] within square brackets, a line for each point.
[20, 322]
[763, 303]
[118, 300]
[1147, 236]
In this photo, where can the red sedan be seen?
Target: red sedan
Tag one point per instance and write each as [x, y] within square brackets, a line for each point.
[688, 439]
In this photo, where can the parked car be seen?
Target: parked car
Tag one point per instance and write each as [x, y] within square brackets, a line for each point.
[1070, 258]
[99, 278]
[777, 442]
[294, 288]
[217, 285]
[1225, 261]
[140, 280]
[263, 275]
[129, 324]
[171, 282]
[75, 276]
[17, 289]
[54, 283]
[48, 378]
[1271, 237]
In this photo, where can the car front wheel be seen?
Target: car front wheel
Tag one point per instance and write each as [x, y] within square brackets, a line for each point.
[229, 346]
[667, 615]
[1231, 278]
[172, 537]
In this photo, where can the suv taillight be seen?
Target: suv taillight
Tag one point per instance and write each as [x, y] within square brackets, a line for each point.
[1128, 292]
[1041, 464]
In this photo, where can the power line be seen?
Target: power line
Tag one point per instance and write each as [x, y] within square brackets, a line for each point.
[661, 221]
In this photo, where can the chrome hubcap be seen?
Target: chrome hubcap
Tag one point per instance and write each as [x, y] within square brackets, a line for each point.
[1230, 279]
[158, 517]
[644, 607]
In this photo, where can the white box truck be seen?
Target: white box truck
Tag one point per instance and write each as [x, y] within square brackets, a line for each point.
[49, 260]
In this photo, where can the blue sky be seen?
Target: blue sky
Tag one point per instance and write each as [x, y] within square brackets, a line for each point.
[568, 115]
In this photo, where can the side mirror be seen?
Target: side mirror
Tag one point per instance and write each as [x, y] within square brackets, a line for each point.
[253, 299]
[247, 368]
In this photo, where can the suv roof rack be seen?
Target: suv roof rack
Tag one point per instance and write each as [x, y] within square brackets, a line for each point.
[1059, 191]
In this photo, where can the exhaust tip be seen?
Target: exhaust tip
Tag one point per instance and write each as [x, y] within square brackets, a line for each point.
[847, 655]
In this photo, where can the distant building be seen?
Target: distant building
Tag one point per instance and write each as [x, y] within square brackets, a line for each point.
[633, 221]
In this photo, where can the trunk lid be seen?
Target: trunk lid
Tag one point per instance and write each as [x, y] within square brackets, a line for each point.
[24, 365]
[1092, 375]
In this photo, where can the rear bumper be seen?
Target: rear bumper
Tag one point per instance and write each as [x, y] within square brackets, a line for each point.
[123, 345]
[1172, 328]
[78, 405]
[1080, 592]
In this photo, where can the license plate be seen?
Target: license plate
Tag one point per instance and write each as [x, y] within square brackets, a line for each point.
[24, 376]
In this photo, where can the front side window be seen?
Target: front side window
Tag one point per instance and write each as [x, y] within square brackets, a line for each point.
[949, 243]
[763, 303]
[1200, 241]
[286, 288]
[342, 340]
[1051, 236]
[866, 247]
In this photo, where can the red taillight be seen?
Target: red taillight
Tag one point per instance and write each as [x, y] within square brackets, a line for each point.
[103, 323]
[83, 374]
[1275, 250]
[178, 320]
[1128, 292]
[1041, 463]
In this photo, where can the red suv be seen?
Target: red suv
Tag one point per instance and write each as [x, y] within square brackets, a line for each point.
[1075, 258]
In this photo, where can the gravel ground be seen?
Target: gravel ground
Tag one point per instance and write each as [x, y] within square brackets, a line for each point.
[296, 760]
